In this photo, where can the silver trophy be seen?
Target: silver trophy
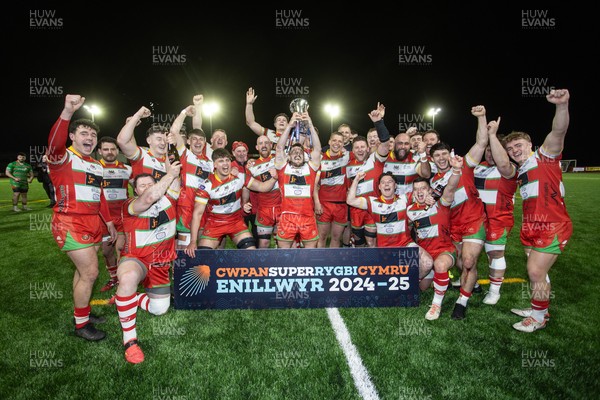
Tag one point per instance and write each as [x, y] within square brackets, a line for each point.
[299, 106]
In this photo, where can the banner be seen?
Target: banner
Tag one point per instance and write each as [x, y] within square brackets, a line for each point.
[297, 278]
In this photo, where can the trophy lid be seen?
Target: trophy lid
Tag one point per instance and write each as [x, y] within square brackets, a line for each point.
[298, 105]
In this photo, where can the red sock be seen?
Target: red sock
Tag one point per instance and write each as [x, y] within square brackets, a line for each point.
[112, 271]
[464, 297]
[540, 308]
[440, 285]
[143, 301]
[82, 316]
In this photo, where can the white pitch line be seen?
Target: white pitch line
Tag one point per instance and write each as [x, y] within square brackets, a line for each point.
[361, 377]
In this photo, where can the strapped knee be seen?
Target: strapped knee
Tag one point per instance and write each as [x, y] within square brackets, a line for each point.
[498, 263]
[370, 234]
[159, 306]
[246, 242]
[359, 236]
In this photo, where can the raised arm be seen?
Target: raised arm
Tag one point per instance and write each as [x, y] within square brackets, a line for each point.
[197, 117]
[555, 140]
[189, 111]
[315, 154]
[250, 120]
[57, 140]
[476, 152]
[351, 199]
[376, 117]
[505, 167]
[153, 194]
[423, 167]
[126, 138]
[456, 162]
[280, 155]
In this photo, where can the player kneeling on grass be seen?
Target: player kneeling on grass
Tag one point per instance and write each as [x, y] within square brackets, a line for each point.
[431, 220]
[389, 213]
[149, 221]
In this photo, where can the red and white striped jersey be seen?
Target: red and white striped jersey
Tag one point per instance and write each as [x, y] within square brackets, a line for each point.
[116, 186]
[297, 186]
[194, 172]
[151, 234]
[390, 220]
[260, 172]
[542, 189]
[432, 225]
[77, 181]
[373, 169]
[467, 206]
[405, 171]
[497, 193]
[145, 162]
[332, 183]
[222, 197]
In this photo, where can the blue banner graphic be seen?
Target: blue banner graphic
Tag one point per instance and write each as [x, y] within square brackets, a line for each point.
[297, 278]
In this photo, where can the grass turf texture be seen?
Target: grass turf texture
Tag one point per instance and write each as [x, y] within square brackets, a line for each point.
[293, 354]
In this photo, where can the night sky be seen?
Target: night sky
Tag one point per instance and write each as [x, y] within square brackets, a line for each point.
[453, 57]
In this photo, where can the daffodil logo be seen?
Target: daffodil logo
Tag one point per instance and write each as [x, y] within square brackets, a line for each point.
[194, 280]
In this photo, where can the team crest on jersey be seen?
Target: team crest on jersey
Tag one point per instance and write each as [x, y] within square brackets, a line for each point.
[194, 280]
[93, 167]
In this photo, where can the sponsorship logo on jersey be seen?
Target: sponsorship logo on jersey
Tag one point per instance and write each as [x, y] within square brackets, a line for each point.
[201, 174]
[45, 87]
[158, 174]
[297, 180]
[265, 176]
[169, 55]
[337, 171]
[291, 19]
[414, 55]
[537, 19]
